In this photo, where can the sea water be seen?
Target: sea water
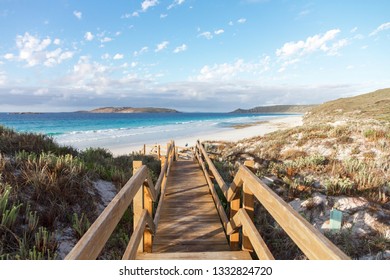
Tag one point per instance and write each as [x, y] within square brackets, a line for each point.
[83, 130]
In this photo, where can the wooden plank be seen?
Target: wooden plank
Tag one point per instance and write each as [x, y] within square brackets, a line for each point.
[312, 243]
[192, 248]
[222, 255]
[248, 200]
[191, 235]
[93, 241]
[189, 220]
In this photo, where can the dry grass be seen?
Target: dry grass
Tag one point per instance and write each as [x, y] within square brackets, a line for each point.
[42, 185]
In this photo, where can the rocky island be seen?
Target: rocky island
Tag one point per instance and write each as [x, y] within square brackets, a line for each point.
[131, 110]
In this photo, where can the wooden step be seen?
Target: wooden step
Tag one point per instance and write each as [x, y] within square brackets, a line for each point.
[222, 255]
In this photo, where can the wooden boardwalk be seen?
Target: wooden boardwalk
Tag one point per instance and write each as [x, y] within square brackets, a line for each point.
[189, 220]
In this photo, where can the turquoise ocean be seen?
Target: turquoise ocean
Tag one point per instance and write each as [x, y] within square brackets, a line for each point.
[83, 130]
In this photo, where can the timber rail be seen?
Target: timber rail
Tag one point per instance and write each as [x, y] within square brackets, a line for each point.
[190, 222]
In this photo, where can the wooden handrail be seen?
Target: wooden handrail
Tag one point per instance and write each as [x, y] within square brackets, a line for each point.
[139, 190]
[212, 168]
[93, 241]
[310, 240]
[218, 204]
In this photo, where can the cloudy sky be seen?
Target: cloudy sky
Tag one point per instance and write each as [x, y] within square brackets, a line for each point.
[191, 55]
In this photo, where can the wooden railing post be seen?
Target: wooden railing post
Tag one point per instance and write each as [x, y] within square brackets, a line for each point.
[141, 201]
[247, 204]
[148, 206]
[159, 151]
[234, 207]
[144, 150]
[138, 202]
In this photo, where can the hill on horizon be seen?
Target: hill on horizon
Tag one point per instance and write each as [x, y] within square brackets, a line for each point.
[277, 109]
[373, 105]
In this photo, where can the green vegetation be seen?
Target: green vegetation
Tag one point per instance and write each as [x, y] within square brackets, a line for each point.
[371, 105]
[277, 109]
[342, 150]
[46, 188]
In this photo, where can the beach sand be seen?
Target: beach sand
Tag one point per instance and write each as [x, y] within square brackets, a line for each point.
[232, 134]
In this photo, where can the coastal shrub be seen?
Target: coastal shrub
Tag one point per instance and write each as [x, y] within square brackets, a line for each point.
[80, 224]
[293, 154]
[12, 142]
[311, 161]
[62, 178]
[8, 211]
[374, 134]
[339, 186]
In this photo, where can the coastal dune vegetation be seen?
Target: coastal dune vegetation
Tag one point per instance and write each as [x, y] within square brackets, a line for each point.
[339, 159]
[49, 195]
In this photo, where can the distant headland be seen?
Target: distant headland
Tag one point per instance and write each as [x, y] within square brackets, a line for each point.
[277, 109]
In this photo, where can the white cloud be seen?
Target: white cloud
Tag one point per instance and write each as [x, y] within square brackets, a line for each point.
[219, 31]
[106, 56]
[57, 57]
[3, 78]
[146, 4]
[78, 14]
[175, 3]
[287, 63]
[380, 28]
[181, 48]
[134, 14]
[9, 56]
[333, 50]
[161, 46]
[353, 30]
[227, 71]
[311, 44]
[34, 51]
[163, 15]
[304, 13]
[134, 64]
[89, 36]
[106, 40]
[241, 20]
[141, 51]
[41, 91]
[206, 35]
[118, 56]
[231, 23]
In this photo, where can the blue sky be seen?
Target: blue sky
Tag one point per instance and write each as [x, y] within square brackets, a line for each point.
[191, 55]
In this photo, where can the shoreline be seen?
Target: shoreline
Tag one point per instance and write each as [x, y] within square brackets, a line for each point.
[233, 134]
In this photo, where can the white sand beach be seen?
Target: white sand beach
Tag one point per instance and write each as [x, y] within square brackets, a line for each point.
[230, 134]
